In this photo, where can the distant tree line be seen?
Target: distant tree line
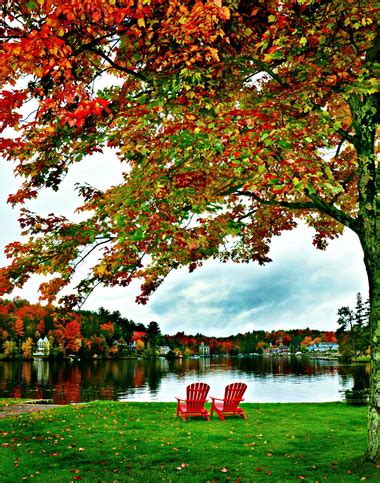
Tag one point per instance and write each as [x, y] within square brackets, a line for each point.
[104, 333]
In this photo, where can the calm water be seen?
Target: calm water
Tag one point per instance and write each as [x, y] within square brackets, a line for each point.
[269, 379]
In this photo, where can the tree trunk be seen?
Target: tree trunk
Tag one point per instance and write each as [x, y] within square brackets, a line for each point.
[372, 261]
[365, 112]
[373, 453]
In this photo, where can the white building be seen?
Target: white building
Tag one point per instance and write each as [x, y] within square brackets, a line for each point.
[43, 347]
[204, 350]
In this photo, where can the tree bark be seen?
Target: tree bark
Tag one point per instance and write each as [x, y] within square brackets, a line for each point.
[371, 247]
[373, 453]
[365, 112]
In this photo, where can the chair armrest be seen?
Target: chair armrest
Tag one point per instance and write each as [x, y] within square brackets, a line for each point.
[195, 400]
[191, 400]
[216, 398]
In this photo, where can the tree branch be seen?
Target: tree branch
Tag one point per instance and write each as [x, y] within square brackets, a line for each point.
[117, 66]
[316, 203]
[291, 205]
[247, 215]
[331, 210]
[94, 247]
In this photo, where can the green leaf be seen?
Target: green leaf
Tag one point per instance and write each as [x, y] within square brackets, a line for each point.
[336, 189]
[120, 221]
[261, 169]
[31, 5]
[139, 234]
[284, 144]
[311, 188]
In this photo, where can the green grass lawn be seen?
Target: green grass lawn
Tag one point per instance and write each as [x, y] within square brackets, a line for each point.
[144, 442]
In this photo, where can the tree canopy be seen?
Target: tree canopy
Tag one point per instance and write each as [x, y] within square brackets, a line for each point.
[233, 119]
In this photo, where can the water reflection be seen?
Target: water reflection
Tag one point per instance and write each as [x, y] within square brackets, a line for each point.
[269, 379]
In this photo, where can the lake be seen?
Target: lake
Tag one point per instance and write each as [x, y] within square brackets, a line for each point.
[269, 379]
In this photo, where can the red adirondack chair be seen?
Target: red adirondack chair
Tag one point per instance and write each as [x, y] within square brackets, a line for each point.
[229, 406]
[193, 405]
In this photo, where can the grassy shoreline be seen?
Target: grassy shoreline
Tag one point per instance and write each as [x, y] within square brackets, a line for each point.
[143, 442]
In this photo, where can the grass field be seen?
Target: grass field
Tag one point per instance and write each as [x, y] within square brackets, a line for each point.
[145, 442]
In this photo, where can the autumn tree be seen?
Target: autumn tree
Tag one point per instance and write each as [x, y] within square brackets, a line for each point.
[19, 327]
[27, 348]
[234, 120]
[72, 335]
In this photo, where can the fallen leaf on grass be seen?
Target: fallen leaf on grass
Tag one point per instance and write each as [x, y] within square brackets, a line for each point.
[224, 470]
[183, 465]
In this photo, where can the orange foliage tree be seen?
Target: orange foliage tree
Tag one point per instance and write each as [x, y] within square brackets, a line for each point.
[19, 327]
[234, 119]
[72, 335]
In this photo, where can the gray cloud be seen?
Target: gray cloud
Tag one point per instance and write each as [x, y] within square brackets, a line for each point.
[300, 287]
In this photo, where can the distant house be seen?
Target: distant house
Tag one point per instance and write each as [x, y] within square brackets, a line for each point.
[204, 350]
[323, 347]
[131, 346]
[137, 337]
[163, 350]
[43, 347]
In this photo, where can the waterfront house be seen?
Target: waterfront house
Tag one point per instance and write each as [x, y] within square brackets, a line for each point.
[323, 347]
[204, 350]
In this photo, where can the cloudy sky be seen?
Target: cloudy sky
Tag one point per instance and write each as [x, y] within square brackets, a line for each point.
[301, 287]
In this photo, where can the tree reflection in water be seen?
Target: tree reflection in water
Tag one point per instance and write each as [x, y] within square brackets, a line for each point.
[269, 379]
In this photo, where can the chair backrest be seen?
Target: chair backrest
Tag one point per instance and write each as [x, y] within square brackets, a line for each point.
[233, 394]
[196, 395]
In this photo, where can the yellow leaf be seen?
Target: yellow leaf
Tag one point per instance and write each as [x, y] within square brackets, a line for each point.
[214, 53]
[226, 12]
[100, 270]
[141, 22]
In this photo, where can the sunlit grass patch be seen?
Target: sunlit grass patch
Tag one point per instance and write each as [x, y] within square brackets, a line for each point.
[117, 441]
